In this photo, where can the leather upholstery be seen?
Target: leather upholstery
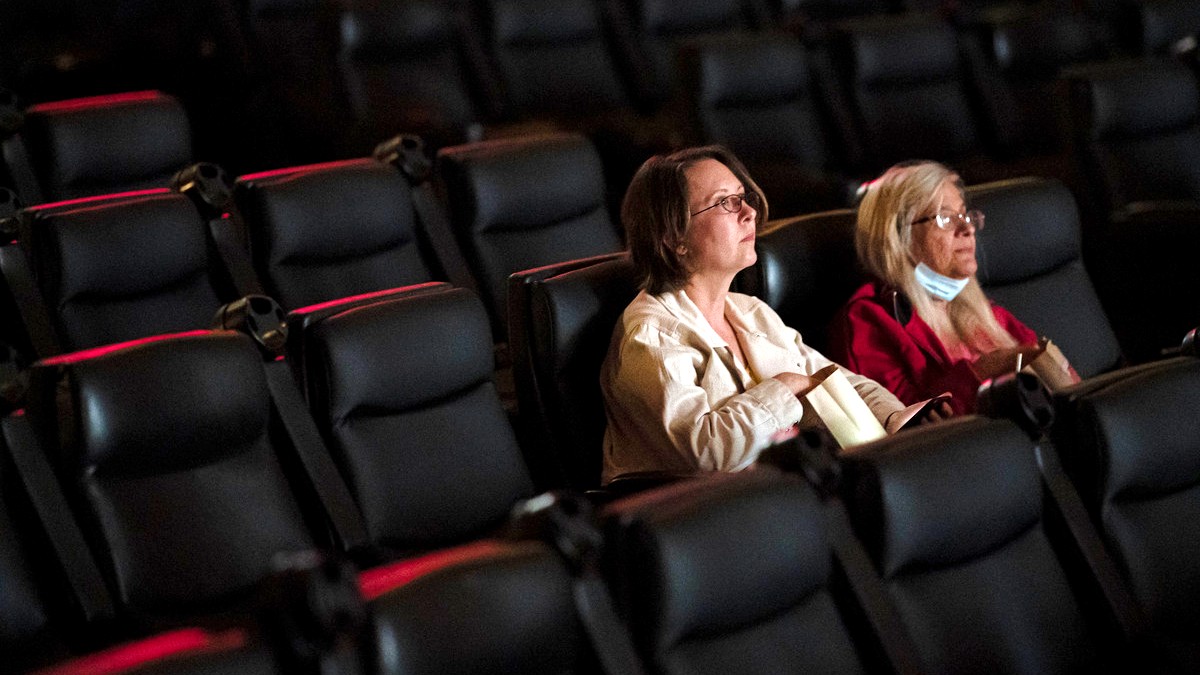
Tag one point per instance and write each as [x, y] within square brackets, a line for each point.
[1131, 448]
[401, 388]
[806, 270]
[184, 509]
[522, 203]
[107, 144]
[570, 323]
[953, 517]
[488, 607]
[1031, 263]
[333, 230]
[119, 268]
[766, 99]
[730, 573]
[409, 68]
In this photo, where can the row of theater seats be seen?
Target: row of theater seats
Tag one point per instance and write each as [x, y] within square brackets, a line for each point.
[152, 487]
[859, 94]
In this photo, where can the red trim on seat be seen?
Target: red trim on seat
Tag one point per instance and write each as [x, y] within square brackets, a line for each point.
[305, 168]
[127, 656]
[100, 198]
[95, 352]
[367, 296]
[380, 580]
[97, 101]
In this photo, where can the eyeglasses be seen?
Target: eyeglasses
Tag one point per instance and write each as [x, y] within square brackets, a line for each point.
[972, 218]
[733, 203]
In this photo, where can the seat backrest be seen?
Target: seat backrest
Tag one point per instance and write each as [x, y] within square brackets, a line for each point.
[660, 27]
[1028, 53]
[731, 573]
[513, 612]
[401, 387]
[909, 88]
[1131, 152]
[410, 67]
[1131, 448]
[806, 270]
[775, 105]
[523, 203]
[554, 58]
[1165, 26]
[125, 266]
[168, 449]
[1031, 263]
[953, 518]
[104, 144]
[327, 231]
[569, 322]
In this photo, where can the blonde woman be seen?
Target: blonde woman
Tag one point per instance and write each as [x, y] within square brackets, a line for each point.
[922, 325]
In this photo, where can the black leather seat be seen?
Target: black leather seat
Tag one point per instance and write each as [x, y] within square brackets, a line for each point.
[120, 267]
[735, 573]
[1130, 447]
[400, 385]
[1142, 166]
[1162, 27]
[93, 146]
[806, 270]
[521, 203]
[777, 106]
[169, 451]
[955, 520]
[486, 607]
[1031, 263]
[910, 86]
[414, 67]
[562, 325]
[328, 231]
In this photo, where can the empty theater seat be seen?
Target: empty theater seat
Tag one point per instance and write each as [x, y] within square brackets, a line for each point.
[400, 384]
[327, 231]
[1130, 447]
[735, 573]
[521, 203]
[93, 146]
[119, 267]
[175, 469]
[968, 560]
[490, 606]
[776, 106]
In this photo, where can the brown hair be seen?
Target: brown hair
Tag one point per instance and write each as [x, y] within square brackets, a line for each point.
[656, 215]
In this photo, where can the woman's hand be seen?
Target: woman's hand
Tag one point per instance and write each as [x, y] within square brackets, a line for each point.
[799, 384]
[1004, 360]
[937, 412]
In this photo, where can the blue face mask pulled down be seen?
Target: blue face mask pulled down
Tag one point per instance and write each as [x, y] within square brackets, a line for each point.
[939, 286]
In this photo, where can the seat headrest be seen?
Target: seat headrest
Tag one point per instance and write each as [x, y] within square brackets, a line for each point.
[1146, 428]
[328, 212]
[945, 494]
[1118, 95]
[526, 183]
[552, 22]
[122, 247]
[898, 51]
[1032, 229]
[165, 403]
[1035, 47]
[440, 344]
[107, 143]
[665, 17]
[714, 554]
[734, 71]
[384, 31]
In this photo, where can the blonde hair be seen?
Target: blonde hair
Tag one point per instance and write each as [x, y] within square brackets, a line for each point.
[884, 237]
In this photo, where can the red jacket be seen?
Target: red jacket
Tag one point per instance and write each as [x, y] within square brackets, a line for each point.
[910, 360]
